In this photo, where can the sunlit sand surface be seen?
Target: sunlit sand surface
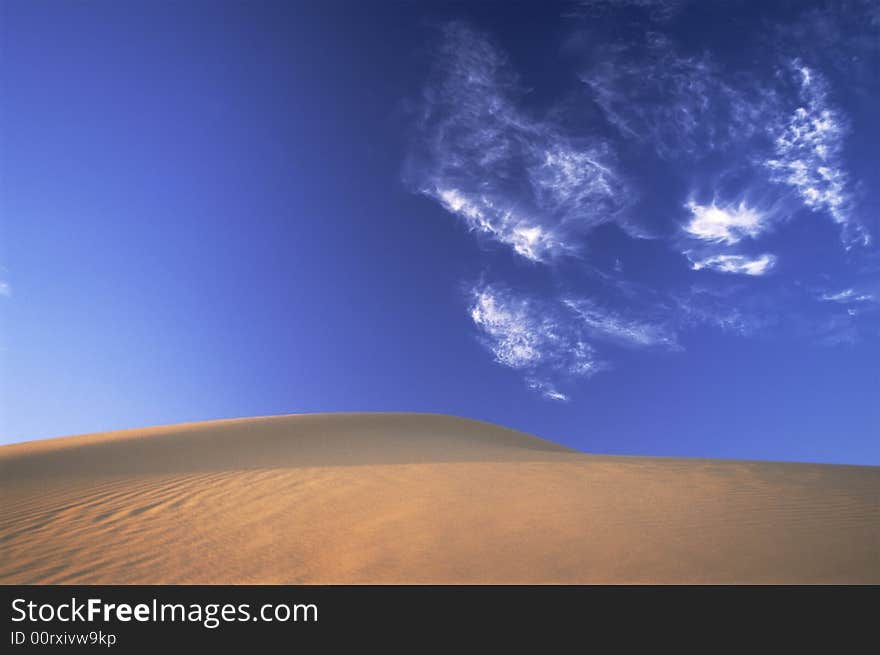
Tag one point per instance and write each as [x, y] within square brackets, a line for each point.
[417, 498]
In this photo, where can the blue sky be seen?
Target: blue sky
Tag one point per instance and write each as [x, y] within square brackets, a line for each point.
[632, 227]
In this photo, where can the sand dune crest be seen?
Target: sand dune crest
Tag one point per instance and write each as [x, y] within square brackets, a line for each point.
[415, 498]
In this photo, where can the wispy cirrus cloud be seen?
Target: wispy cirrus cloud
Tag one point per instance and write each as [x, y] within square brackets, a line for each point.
[725, 224]
[698, 307]
[714, 228]
[741, 264]
[681, 105]
[603, 324]
[527, 237]
[847, 296]
[531, 336]
[760, 147]
[807, 154]
[840, 38]
[555, 340]
[515, 177]
[686, 106]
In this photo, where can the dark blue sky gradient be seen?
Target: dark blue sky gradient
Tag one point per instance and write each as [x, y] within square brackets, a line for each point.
[206, 212]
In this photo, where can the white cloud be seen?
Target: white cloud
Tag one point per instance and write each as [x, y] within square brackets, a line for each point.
[480, 213]
[704, 306]
[517, 337]
[603, 324]
[538, 178]
[547, 390]
[686, 107]
[727, 225]
[532, 336]
[807, 154]
[5, 289]
[847, 296]
[736, 264]
[551, 341]
[516, 178]
[565, 178]
[678, 104]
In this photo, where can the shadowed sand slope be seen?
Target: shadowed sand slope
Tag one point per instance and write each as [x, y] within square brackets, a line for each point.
[417, 498]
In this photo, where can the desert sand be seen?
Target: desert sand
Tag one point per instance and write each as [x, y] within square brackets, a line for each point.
[417, 498]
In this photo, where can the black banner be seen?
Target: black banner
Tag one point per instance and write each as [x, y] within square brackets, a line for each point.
[133, 618]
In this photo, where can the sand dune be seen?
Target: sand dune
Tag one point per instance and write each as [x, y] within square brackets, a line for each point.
[416, 498]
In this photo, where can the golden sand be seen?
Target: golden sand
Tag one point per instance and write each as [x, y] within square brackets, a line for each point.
[417, 498]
